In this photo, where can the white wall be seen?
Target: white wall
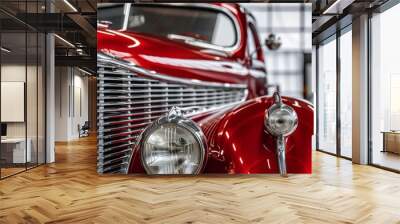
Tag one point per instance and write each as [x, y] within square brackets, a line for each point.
[50, 95]
[80, 110]
[71, 102]
[360, 90]
[16, 73]
[62, 82]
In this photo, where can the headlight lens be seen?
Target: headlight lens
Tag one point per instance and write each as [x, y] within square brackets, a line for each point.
[280, 119]
[172, 146]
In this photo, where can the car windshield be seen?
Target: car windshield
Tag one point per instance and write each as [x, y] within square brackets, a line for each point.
[192, 25]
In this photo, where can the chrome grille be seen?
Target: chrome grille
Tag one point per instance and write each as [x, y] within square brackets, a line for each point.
[127, 102]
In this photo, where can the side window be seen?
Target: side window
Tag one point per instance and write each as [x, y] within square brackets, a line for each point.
[255, 47]
[113, 15]
[251, 43]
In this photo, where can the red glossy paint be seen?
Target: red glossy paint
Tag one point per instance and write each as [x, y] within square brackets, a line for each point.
[237, 141]
[238, 144]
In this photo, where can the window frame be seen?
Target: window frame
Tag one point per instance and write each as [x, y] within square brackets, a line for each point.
[334, 37]
[381, 9]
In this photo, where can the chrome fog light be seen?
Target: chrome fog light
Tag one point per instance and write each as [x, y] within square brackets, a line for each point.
[173, 145]
[280, 121]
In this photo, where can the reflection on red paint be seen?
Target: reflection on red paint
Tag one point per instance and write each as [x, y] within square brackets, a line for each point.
[106, 33]
[135, 41]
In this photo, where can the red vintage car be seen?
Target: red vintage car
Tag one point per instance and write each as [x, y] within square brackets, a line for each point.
[181, 90]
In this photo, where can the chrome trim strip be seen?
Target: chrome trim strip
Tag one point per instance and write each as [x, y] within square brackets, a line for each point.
[158, 76]
[212, 109]
[281, 151]
[127, 11]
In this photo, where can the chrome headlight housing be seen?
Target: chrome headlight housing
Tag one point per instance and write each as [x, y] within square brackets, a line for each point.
[173, 145]
[280, 119]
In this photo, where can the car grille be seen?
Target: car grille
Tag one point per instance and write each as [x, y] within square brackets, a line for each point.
[127, 103]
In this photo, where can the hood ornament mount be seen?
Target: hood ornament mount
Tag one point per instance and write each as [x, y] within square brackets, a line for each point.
[281, 151]
[280, 143]
[174, 113]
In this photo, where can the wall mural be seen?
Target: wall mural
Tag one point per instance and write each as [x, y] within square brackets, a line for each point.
[179, 92]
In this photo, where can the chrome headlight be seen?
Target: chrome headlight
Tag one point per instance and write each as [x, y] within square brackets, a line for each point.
[173, 145]
[280, 119]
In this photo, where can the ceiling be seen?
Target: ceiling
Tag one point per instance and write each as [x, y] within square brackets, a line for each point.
[331, 15]
[72, 20]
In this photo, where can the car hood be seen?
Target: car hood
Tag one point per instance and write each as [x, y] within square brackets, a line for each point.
[170, 57]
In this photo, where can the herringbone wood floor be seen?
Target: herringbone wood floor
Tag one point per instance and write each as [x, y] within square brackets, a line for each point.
[70, 191]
